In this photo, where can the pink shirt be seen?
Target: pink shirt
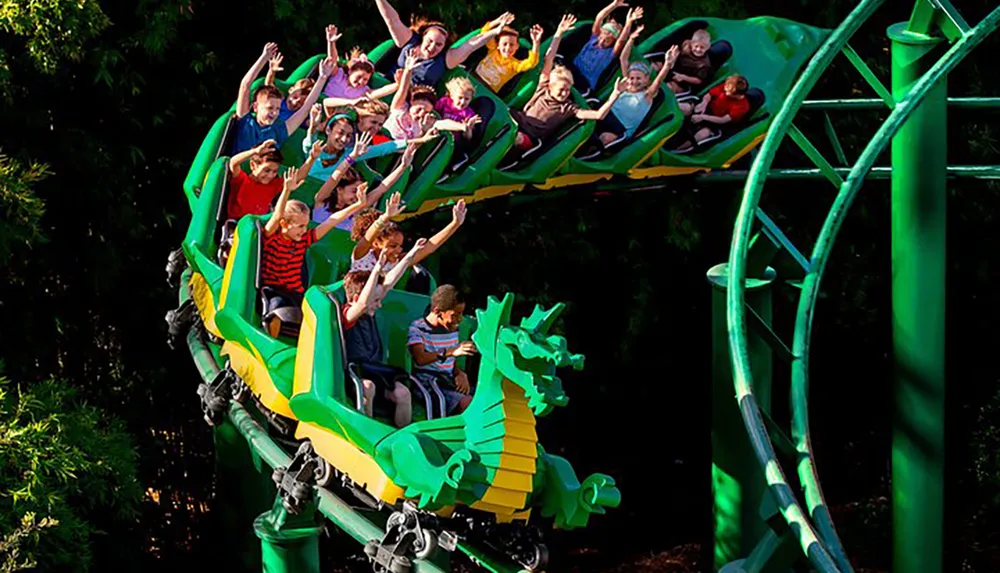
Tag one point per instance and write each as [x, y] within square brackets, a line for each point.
[337, 86]
[402, 126]
[446, 108]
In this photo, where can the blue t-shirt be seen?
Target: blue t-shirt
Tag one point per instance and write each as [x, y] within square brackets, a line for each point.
[326, 163]
[593, 60]
[284, 113]
[250, 134]
[631, 108]
[427, 72]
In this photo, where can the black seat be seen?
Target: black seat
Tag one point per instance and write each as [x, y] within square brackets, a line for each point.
[516, 160]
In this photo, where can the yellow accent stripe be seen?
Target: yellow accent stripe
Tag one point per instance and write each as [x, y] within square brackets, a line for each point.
[227, 274]
[664, 171]
[745, 150]
[201, 294]
[249, 365]
[352, 461]
[304, 356]
[573, 179]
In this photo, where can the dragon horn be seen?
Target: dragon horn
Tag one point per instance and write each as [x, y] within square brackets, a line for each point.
[542, 320]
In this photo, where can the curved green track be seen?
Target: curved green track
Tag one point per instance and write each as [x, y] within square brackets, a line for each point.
[814, 530]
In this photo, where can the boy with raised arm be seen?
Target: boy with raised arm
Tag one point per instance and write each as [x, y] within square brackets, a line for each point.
[257, 116]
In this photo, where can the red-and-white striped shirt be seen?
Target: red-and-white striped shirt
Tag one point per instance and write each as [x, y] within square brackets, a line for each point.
[283, 261]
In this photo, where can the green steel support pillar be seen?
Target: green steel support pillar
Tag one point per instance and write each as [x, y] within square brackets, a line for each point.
[919, 166]
[244, 486]
[290, 542]
[737, 479]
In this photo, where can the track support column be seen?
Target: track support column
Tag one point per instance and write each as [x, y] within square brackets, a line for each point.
[737, 479]
[919, 193]
[289, 541]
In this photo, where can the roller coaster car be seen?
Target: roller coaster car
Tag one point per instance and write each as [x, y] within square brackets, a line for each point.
[483, 466]
[768, 51]
[539, 163]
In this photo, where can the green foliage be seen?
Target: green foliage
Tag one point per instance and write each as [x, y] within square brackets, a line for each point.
[22, 209]
[65, 460]
[51, 31]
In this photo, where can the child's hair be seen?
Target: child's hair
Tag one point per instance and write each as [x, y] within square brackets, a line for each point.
[305, 84]
[640, 66]
[737, 83]
[358, 60]
[508, 31]
[420, 25]
[338, 117]
[365, 218]
[354, 283]
[459, 84]
[370, 107]
[560, 72]
[698, 35]
[269, 92]
[425, 93]
[273, 156]
[445, 298]
[295, 207]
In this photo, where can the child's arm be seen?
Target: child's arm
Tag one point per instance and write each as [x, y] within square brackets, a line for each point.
[626, 58]
[392, 208]
[422, 358]
[634, 15]
[595, 29]
[567, 22]
[325, 70]
[332, 35]
[449, 125]
[393, 276]
[599, 114]
[243, 100]
[703, 104]
[272, 69]
[340, 216]
[400, 32]
[240, 158]
[394, 175]
[435, 242]
[459, 54]
[403, 93]
[386, 90]
[365, 298]
[360, 145]
[668, 64]
[303, 171]
[536, 47]
[279, 210]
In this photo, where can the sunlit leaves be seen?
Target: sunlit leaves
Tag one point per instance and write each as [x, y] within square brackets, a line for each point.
[22, 210]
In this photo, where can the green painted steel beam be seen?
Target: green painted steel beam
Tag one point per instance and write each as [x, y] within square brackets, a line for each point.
[815, 156]
[919, 199]
[868, 75]
[915, 95]
[931, 15]
[825, 554]
[875, 103]
[831, 134]
[953, 172]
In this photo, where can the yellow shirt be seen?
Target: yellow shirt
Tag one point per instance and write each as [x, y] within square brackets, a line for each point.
[495, 70]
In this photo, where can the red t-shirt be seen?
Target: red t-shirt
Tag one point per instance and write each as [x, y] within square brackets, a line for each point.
[283, 261]
[721, 105]
[379, 138]
[247, 197]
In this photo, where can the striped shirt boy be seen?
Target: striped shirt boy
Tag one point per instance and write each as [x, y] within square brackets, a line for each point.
[283, 261]
[436, 340]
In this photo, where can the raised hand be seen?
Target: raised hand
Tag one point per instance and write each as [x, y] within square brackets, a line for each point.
[411, 151]
[536, 33]
[472, 121]
[290, 182]
[361, 144]
[270, 50]
[458, 212]
[619, 86]
[332, 34]
[634, 14]
[411, 61]
[671, 56]
[361, 195]
[421, 243]
[619, 4]
[268, 145]
[275, 64]
[316, 149]
[395, 205]
[566, 24]
[316, 113]
[634, 35]
[326, 67]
